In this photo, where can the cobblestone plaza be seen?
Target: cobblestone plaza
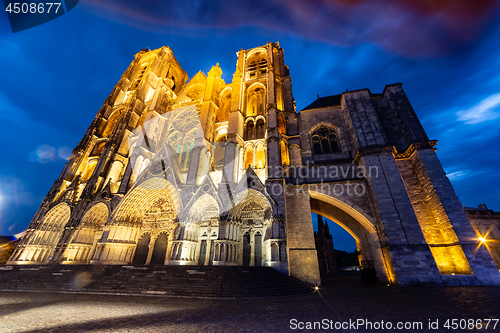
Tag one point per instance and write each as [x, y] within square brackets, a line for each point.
[339, 300]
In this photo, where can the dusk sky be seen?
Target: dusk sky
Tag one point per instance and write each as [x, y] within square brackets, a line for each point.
[55, 77]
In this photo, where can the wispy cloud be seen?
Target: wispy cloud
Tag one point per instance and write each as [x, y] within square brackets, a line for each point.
[14, 197]
[487, 109]
[409, 27]
[458, 174]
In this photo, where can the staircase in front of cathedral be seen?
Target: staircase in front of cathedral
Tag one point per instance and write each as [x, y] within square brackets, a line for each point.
[177, 281]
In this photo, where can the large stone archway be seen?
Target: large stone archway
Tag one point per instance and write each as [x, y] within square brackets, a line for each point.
[197, 233]
[252, 216]
[151, 207]
[39, 243]
[84, 241]
[358, 225]
[344, 210]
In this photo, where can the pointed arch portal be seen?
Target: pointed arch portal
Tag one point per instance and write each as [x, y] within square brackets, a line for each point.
[359, 225]
[141, 252]
[160, 249]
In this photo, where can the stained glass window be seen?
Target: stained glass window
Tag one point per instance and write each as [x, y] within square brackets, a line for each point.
[186, 120]
[182, 134]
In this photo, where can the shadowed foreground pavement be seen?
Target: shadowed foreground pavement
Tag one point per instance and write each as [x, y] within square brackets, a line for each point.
[347, 299]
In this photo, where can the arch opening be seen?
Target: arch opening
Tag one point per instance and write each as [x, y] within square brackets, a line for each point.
[42, 242]
[160, 249]
[151, 208]
[359, 226]
[83, 244]
[141, 252]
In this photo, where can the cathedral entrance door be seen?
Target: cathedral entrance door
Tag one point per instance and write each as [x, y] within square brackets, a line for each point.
[141, 252]
[203, 253]
[258, 250]
[246, 250]
[160, 250]
[212, 251]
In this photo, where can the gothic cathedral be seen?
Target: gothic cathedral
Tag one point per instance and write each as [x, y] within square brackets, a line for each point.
[178, 171]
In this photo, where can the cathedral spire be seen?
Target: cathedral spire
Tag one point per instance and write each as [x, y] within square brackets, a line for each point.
[321, 225]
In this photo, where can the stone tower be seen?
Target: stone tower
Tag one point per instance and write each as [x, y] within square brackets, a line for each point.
[324, 247]
[178, 171]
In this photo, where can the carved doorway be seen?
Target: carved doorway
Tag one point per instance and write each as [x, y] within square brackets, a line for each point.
[246, 249]
[141, 252]
[160, 249]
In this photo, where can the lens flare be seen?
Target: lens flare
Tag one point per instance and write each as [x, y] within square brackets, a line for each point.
[82, 280]
[64, 153]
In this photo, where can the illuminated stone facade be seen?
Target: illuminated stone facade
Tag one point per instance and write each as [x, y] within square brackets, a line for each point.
[486, 223]
[202, 172]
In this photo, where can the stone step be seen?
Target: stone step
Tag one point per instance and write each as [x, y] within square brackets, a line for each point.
[188, 281]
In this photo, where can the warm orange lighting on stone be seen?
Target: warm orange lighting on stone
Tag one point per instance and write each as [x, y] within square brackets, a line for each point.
[451, 259]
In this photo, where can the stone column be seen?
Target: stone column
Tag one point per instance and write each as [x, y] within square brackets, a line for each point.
[403, 243]
[302, 256]
[209, 248]
[150, 250]
[169, 248]
[480, 260]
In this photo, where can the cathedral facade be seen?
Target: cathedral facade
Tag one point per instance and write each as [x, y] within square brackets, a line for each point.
[178, 171]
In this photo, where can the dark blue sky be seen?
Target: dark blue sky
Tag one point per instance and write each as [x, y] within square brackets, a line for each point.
[56, 76]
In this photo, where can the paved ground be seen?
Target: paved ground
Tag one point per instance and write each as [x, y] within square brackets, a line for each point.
[340, 300]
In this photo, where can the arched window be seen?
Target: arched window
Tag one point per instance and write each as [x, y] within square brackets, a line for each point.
[89, 170]
[281, 124]
[257, 65]
[98, 148]
[285, 156]
[279, 94]
[224, 108]
[249, 130]
[255, 101]
[182, 134]
[249, 156]
[275, 252]
[110, 124]
[325, 141]
[260, 156]
[260, 129]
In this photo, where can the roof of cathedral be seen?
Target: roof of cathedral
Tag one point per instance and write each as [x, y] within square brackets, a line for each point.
[323, 102]
[329, 101]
